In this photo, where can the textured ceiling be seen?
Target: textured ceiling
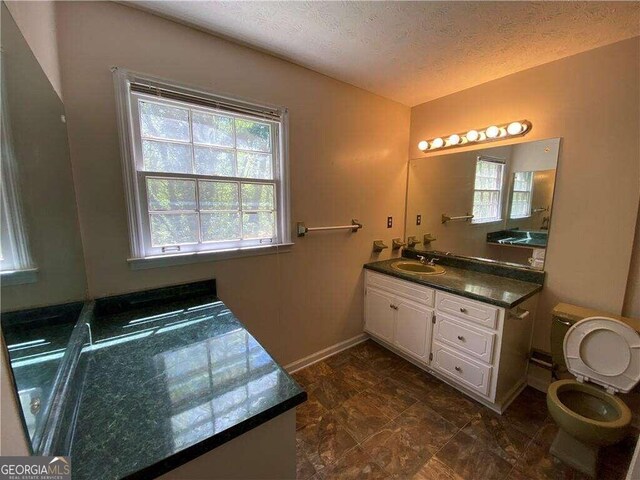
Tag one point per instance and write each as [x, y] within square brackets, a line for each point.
[412, 52]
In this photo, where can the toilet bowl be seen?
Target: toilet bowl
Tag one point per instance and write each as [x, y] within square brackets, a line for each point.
[605, 352]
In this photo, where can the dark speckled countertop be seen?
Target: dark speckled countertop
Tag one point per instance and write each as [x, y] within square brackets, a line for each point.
[163, 385]
[150, 381]
[496, 290]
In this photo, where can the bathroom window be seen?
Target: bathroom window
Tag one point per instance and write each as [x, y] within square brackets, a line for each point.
[487, 194]
[522, 194]
[205, 173]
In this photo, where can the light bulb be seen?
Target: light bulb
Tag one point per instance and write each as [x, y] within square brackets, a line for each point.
[423, 145]
[473, 135]
[493, 131]
[454, 139]
[514, 128]
[437, 142]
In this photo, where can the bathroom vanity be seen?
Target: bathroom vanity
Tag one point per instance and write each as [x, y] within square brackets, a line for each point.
[469, 328]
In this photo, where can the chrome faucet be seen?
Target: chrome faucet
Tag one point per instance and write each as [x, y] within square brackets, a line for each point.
[431, 262]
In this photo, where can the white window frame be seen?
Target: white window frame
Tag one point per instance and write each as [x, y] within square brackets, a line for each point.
[529, 191]
[142, 253]
[16, 263]
[500, 190]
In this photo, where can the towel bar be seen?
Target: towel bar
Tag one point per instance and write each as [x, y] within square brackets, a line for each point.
[303, 230]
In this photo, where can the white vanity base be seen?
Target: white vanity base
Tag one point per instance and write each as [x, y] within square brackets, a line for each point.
[498, 408]
[476, 347]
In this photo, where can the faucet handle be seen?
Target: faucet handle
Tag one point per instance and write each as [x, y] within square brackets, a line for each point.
[422, 259]
[397, 243]
[412, 241]
[378, 246]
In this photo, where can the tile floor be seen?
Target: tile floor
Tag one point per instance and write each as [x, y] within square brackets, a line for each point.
[373, 415]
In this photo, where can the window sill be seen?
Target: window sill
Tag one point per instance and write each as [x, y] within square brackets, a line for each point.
[19, 277]
[486, 222]
[197, 257]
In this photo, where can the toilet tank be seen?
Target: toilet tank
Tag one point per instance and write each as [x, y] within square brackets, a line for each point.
[560, 325]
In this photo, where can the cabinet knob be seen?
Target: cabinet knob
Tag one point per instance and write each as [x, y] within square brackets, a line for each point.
[458, 369]
[463, 310]
[461, 338]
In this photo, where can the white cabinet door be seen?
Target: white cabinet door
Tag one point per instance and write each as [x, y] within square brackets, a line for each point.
[380, 314]
[413, 329]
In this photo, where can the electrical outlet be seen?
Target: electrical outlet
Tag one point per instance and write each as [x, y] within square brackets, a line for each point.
[389, 222]
[418, 219]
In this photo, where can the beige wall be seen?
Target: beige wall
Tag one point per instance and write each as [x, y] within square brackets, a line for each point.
[37, 21]
[591, 101]
[348, 155]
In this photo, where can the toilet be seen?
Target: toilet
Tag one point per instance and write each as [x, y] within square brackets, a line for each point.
[604, 356]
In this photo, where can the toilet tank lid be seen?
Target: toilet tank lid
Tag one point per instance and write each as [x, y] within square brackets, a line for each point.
[604, 351]
[574, 313]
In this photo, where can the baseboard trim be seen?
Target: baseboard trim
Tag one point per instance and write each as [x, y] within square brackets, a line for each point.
[325, 353]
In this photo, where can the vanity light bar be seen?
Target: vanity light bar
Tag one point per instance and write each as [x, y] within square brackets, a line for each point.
[487, 134]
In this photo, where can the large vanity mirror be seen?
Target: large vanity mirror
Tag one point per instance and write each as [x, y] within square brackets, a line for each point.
[492, 203]
[41, 265]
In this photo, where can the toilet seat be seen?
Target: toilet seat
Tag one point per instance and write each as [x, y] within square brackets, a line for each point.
[604, 351]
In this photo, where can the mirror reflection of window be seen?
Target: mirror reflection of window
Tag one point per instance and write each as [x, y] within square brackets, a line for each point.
[14, 253]
[487, 194]
[522, 195]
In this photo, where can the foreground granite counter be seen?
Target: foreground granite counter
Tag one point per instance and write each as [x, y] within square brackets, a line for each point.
[162, 385]
[161, 378]
[485, 287]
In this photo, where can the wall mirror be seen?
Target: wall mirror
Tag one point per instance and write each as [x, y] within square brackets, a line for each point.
[492, 203]
[42, 261]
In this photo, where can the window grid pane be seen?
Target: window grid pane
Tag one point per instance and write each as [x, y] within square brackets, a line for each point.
[487, 191]
[185, 209]
[522, 195]
[192, 141]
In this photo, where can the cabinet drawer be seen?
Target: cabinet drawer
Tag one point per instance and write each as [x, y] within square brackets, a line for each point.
[463, 370]
[476, 312]
[412, 291]
[472, 341]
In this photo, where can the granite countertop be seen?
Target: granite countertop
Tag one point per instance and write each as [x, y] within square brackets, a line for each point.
[518, 238]
[496, 290]
[166, 383]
